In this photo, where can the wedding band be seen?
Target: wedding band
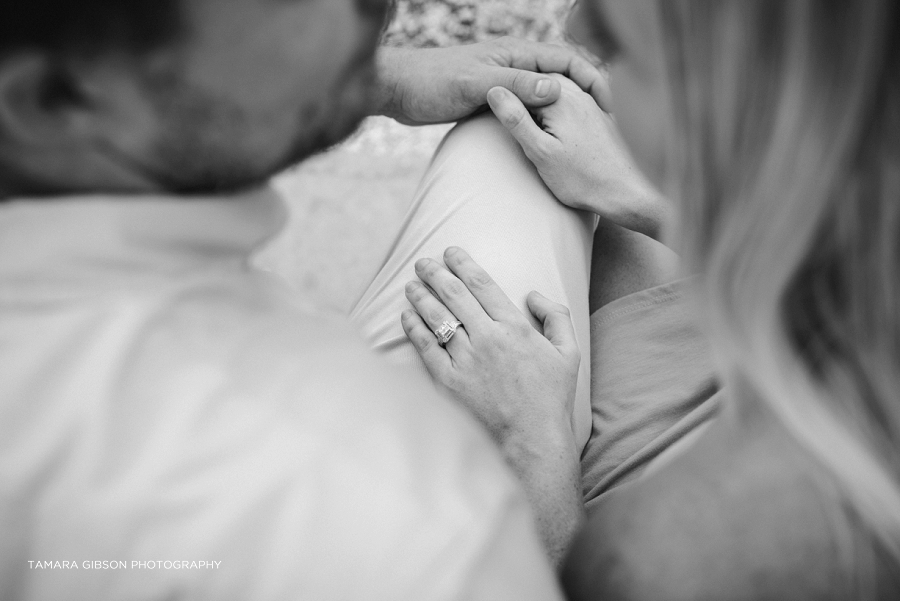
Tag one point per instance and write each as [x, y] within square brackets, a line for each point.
[446, 331]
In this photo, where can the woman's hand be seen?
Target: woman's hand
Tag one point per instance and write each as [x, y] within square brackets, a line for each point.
[519, 383]
[515, 380]
[581, 157]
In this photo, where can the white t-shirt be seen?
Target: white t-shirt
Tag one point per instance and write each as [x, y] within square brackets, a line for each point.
[168, 410]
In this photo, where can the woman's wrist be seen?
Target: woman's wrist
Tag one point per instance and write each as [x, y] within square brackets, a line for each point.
[545, 454]
[550, 440]
[547, 465]
[635, 207]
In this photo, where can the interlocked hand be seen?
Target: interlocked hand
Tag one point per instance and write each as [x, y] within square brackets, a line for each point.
[441, 85]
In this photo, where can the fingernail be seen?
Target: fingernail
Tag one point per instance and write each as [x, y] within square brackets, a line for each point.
[542, 89]
[406, 315]
[495, 96]
[410, 286]
[451, 251]
[421, 263]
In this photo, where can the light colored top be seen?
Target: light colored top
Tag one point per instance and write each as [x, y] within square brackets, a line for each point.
[162, 402]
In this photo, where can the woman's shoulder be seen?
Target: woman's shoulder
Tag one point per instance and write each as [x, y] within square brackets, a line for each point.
[741, 514]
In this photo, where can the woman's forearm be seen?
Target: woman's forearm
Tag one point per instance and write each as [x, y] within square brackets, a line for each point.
[550, 473]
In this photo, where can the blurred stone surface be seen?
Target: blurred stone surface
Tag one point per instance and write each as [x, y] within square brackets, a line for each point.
[430, 23]
[346, 204]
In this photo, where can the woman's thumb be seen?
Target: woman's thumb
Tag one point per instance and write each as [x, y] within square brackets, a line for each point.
[515, 117]
[557, 322]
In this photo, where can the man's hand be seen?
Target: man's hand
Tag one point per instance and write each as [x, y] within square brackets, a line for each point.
[441, 85]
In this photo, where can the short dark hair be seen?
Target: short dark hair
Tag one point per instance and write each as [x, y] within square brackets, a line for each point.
[88, 27]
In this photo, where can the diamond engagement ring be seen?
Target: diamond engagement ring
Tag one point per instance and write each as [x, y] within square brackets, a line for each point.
[446, 331]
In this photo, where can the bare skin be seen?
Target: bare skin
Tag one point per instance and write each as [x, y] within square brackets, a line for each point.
[256, 87]
[253, 87]
[743, 513]
[527, 412]
[625, 262]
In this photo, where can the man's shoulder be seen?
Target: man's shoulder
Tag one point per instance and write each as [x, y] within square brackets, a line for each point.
[267, 428]
[262, 348]
[395, 471]
[255, 328]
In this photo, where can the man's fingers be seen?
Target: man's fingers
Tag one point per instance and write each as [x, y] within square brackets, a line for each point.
[549, 58]
[494, 301]
[557, 321]
[533, 89]
[515, 117]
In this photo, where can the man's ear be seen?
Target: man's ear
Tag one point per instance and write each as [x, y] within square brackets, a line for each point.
[40, 105]
[79, 126]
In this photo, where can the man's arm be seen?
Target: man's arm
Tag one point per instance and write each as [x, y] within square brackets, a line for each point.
[441, 85]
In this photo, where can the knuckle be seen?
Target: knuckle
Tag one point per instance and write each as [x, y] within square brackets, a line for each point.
[541, 146]
[506, 41]
[479, 281]
[464, 358]
[489, 339]
[419, 294]
[522, 329]
[424, 340]
[453, 380]
[435, 316]
[514, 119]
[453, 289]
[465, 86]
[520, 81]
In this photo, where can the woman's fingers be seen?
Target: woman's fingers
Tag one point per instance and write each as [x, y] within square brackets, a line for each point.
[452, 293]
[436, 359]
[516, 118]
[433, 312]
[557, 321]
[482, 287]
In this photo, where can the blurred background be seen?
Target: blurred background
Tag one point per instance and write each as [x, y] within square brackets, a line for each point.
[346, 204]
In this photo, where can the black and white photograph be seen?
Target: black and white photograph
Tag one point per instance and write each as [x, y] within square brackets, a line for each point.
[449, 300]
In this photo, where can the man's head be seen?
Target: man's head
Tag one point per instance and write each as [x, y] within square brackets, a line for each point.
[182, 95]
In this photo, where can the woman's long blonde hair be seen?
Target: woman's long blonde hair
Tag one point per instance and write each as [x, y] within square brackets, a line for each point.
[786, 146]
